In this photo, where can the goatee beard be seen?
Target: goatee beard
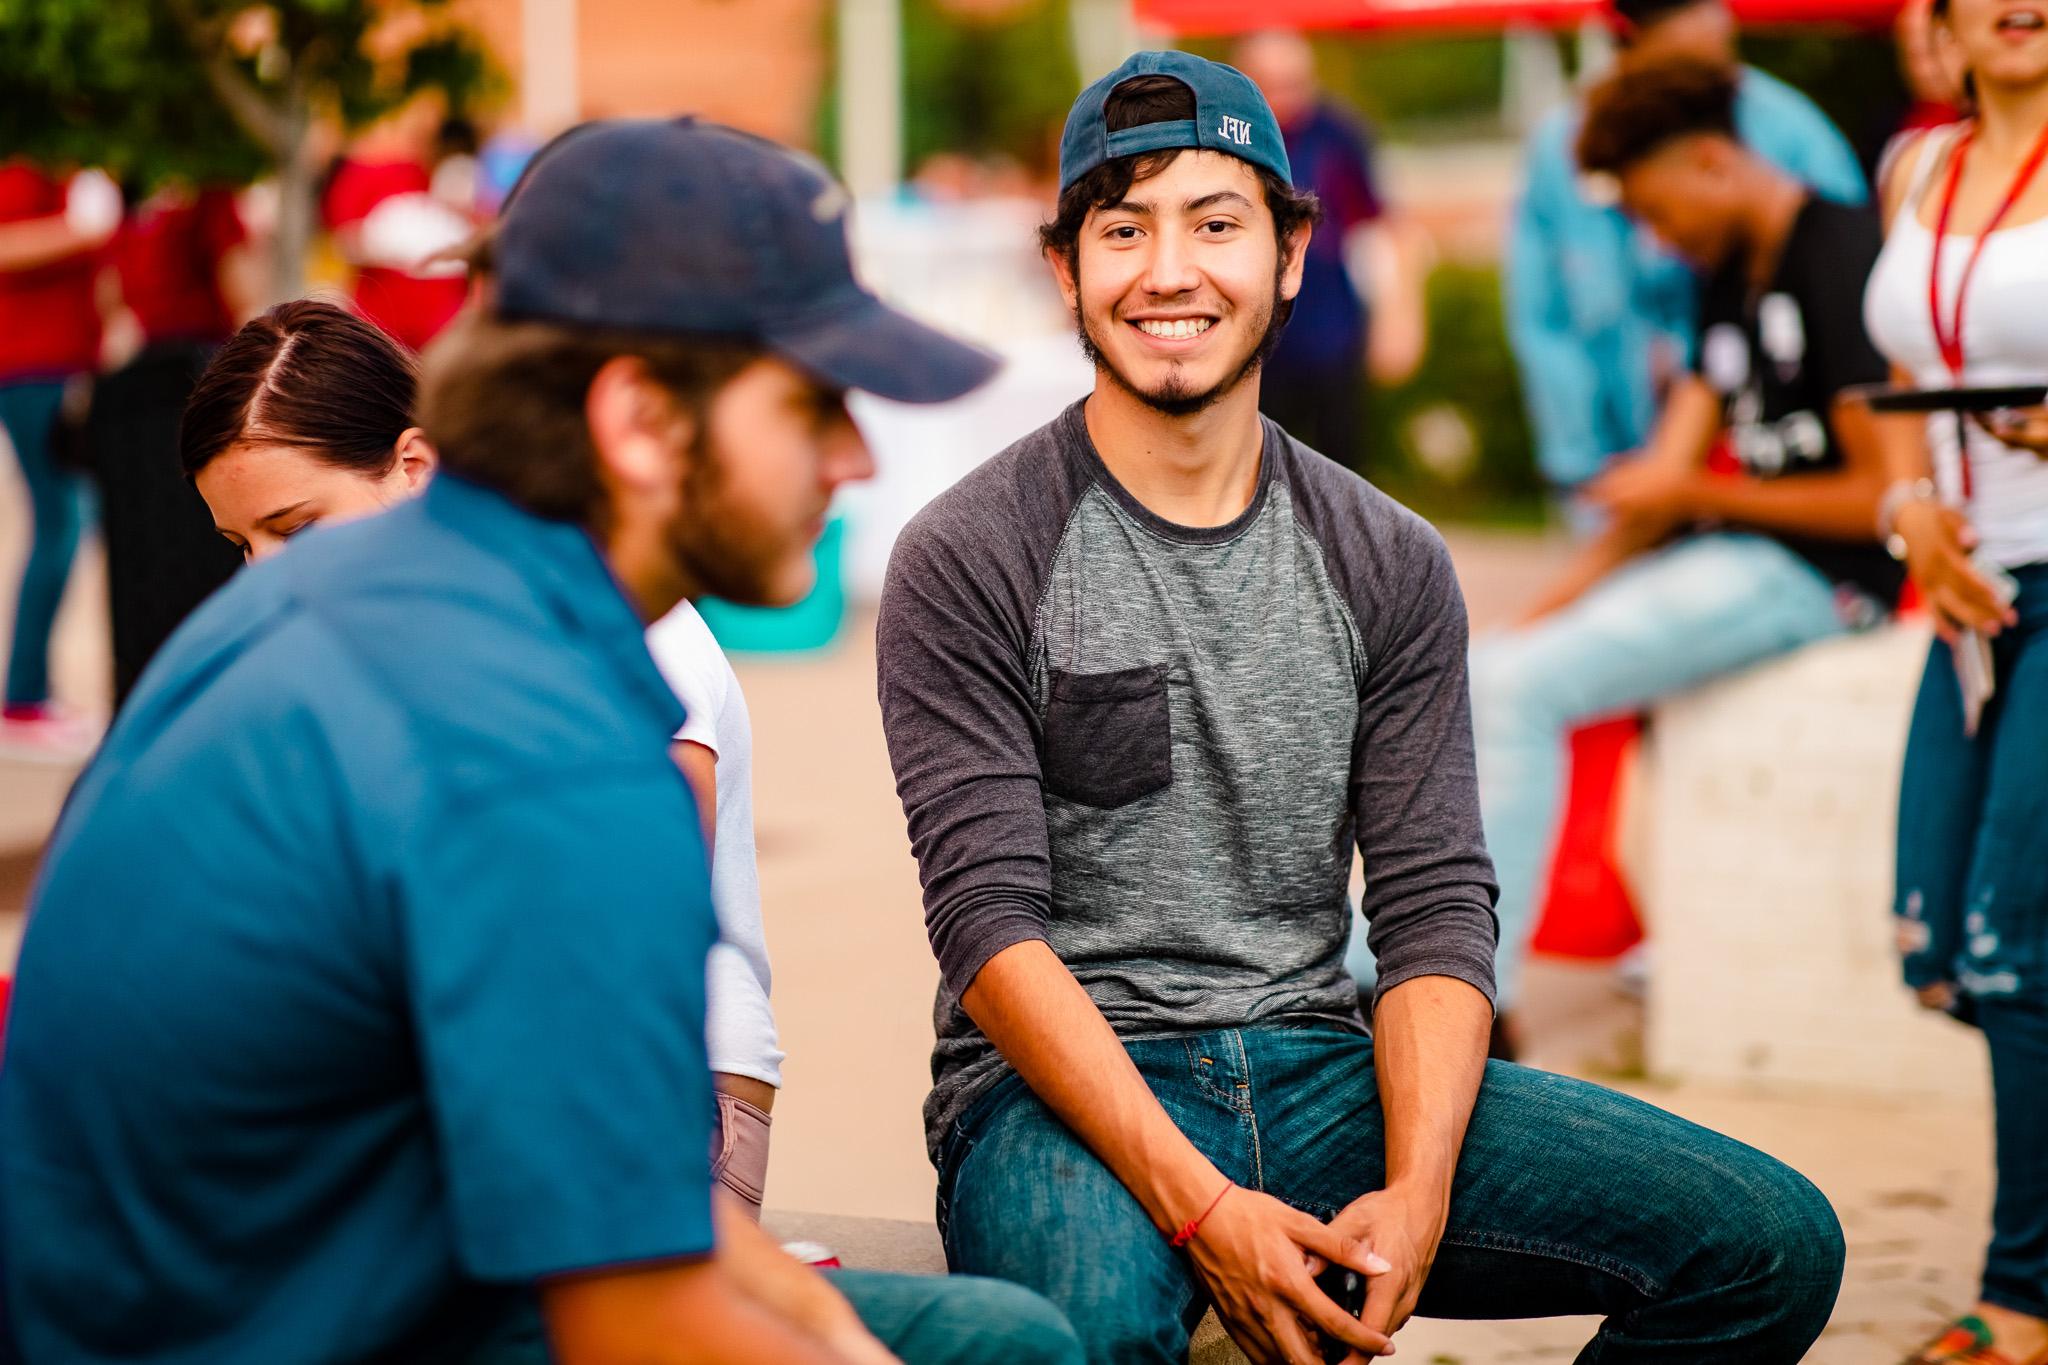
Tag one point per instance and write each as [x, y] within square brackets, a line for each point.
[1176, 397]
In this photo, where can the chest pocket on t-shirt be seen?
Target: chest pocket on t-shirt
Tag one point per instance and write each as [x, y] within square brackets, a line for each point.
[1108, 736]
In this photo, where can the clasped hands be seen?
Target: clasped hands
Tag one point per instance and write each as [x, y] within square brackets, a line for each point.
[1259, 1258]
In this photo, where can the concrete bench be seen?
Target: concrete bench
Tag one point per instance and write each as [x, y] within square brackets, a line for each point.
[1766, 808]
[913, 1248]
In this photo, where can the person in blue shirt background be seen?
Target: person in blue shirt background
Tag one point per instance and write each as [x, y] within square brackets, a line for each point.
[1600, 316]
[360, 1014]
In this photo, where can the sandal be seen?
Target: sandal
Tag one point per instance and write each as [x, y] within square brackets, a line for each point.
[1966, 1341]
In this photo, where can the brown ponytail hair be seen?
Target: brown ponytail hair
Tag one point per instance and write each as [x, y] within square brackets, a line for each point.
[308, 374]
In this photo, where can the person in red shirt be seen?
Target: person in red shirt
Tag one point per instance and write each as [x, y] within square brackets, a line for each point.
[186, 276]
[387, 221]
[52, 229]
[183, 266]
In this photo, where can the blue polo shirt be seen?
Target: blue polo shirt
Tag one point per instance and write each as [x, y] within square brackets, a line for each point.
[364, 983]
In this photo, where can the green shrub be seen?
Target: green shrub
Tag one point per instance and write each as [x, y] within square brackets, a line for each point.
[1453, 442]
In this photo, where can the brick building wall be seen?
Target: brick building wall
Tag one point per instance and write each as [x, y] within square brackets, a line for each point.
[756, 64]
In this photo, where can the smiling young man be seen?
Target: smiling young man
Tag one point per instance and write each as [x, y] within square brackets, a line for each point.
[393, 1048]
[1148, 676]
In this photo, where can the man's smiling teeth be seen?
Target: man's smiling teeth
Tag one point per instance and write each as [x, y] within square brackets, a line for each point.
[2021, 19]
[1175, 330]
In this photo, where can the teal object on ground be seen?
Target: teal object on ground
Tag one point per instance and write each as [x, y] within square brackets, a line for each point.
[811, 624]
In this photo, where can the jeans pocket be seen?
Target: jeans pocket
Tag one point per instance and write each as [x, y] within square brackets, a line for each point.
[1108, 736]
[1214, 1076]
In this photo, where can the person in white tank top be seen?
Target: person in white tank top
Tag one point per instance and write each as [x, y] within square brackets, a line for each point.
[715, 749]
[1968, 511]
[2005, 342]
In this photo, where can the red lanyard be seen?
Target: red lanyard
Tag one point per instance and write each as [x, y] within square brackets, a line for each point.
[1950, 339]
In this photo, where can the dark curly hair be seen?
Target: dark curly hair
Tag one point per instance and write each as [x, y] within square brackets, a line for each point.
[1636, 112]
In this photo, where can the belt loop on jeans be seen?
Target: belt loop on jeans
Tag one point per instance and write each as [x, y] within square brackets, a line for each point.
[1243, 1081]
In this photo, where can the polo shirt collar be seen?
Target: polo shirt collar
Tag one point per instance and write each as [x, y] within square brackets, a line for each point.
[563, 564]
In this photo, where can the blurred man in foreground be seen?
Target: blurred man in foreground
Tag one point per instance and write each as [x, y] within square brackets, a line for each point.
[361, 1015]
[1149, 676]
[1600, 314]
[1359, 315]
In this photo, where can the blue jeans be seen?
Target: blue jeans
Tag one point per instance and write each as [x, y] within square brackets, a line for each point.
[1972, 908]
[57, 512]
[1670, 620]
[922, 1319]
[1568, 1199]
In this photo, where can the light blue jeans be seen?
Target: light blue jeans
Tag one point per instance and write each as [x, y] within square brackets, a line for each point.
[1694, 611]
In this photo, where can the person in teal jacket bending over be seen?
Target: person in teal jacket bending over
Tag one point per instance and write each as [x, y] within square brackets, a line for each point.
[1600, 315]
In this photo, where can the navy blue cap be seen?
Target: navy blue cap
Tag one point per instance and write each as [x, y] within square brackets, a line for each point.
[1231, 116]
[692, 227]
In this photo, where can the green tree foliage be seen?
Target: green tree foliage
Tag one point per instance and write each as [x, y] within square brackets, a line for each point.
[988, 88]
[982, 87]
[1452, 442]
[1412, 85]
[213, 91]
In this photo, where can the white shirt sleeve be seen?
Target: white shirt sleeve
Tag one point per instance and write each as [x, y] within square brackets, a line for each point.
[694, 668]
[741, 1037]
[739, 1028]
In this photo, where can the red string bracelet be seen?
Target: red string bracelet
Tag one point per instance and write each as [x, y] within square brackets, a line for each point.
[1192, 1226]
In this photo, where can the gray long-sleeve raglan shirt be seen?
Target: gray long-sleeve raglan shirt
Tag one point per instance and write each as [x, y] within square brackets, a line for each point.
[1153, 746]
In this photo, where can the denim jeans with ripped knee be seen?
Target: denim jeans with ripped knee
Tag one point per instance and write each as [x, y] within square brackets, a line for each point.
[1972, 909]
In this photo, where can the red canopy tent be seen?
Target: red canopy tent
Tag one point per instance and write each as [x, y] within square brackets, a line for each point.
[1213, 17]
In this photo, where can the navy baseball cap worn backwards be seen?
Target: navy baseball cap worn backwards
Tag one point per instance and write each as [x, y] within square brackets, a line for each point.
[684, 226]
[1231, 116]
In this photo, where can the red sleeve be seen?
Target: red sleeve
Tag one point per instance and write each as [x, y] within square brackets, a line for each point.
[220, 224]
[358, 187]
[27, 193]
[126, 249]
[344, 202]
